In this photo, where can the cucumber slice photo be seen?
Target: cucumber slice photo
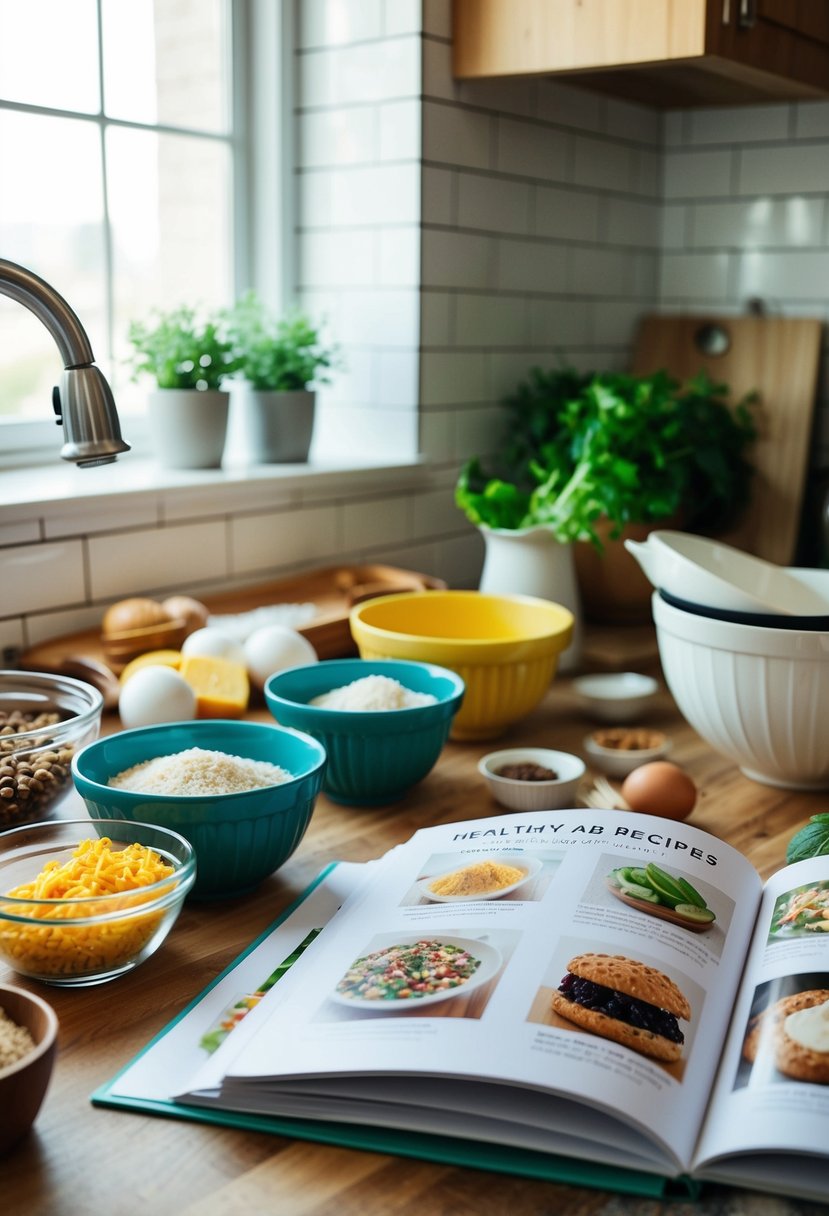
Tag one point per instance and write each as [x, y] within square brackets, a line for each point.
[694, 913]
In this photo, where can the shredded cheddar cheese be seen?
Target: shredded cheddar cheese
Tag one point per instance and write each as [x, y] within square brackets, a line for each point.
[67, 944]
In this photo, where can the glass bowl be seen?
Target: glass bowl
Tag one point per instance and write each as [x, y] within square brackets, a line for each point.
[89, 939]
[44, 720]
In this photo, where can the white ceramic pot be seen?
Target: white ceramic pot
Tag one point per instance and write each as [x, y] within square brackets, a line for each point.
[271, 427]
[757, 695]
[531, 561]
[188, 426]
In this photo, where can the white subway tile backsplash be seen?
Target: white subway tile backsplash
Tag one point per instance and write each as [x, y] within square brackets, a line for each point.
[631, 121]
[437, 433]
[437, 71]
[460, 559]
[616, 323]
[557, 325]
[694, 276]
[399, 130]
[437, 321]
[396, 379]
[532, 149]
[787, 169]
[378, 317]
[376, 194]
[151, 560]
[12, 637]
[758, 222]
[376, 521]
[674, 225]
[359, 73]
[435, 512]
[505, 96]
[437, 18]
[566, 214]
[739, 124]
[570, 107]
[604, 164]
[282, 538]
[331, 23]
[397, 257]
[792, 276]
[337, 137]
[602, 272]
[452, 377]
[630, 222]
[491, 320]
[493, 204]
[697, 174]
[811, 120]
[402, 17]
[332, 259]
[36, 577]
[531, 266]
[78, 519]
[479, 430]
[438, 191]
[457, 259]
[41, 627]
[456, 137]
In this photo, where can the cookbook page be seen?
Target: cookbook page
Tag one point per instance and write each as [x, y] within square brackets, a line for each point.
[580, 953]
[772, 1093]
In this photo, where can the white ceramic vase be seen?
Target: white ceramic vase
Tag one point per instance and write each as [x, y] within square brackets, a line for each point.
[271, 427]
[188, 426]
[532, 561]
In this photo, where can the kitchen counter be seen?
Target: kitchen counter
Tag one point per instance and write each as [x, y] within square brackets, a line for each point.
[80, 1158]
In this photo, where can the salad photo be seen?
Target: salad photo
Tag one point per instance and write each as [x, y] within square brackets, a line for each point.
[408, 974]
[803, 910]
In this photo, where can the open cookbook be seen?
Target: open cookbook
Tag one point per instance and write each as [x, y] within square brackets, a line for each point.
[600, 999]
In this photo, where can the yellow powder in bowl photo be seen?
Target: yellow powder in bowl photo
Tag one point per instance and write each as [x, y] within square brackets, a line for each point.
[478, 879]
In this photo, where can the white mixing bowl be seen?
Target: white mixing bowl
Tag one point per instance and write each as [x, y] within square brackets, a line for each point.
[757, 695]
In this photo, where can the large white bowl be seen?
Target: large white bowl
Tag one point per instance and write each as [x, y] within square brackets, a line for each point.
[757, 695]
[707, 572]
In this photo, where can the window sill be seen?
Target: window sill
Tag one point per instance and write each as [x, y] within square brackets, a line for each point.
[25, 489]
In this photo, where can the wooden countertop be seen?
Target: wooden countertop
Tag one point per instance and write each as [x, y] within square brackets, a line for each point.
[80, 1159]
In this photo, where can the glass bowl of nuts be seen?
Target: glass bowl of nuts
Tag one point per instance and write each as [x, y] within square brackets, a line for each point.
[44, 720]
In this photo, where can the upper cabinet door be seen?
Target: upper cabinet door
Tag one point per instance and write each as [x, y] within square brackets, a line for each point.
[669, 53]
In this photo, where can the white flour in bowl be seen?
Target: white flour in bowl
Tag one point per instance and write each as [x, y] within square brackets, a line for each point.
[197, 772]
[373, 692]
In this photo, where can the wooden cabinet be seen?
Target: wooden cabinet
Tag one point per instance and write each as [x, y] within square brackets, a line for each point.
[666, 53]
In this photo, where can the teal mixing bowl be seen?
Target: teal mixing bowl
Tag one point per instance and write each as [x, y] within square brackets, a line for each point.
[239, 838]
[374, 756]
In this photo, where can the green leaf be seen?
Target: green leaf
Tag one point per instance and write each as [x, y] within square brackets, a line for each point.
[811, 841]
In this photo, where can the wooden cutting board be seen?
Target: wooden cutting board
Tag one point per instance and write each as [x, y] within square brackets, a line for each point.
[777, 356]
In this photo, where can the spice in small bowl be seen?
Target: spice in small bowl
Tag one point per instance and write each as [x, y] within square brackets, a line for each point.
[532, 778]
[618, 750]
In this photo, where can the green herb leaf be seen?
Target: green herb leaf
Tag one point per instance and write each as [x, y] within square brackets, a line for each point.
[811, 841]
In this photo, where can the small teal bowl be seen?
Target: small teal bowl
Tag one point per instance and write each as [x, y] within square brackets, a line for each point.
[239, 838]
[374, 756]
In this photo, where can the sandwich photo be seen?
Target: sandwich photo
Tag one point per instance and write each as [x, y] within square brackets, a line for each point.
[626, 1001]
[796, 1030]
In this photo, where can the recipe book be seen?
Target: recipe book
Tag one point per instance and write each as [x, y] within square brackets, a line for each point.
[588, 997]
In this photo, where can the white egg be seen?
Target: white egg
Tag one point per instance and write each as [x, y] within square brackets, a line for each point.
[273, 648]
[214, 644]
[156, 694]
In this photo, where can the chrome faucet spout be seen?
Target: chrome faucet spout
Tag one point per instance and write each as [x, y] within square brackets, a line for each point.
[83, 402]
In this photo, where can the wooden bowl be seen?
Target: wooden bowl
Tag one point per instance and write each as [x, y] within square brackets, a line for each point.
[126, 644]
[23, 1084]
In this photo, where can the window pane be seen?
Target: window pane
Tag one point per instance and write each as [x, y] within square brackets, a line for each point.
[49, 53]
[169, 199]
[165, 61]
[50, 222]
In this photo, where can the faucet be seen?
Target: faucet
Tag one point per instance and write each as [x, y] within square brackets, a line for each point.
[83, 402]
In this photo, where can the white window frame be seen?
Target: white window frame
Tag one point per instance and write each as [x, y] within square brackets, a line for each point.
[261, 140]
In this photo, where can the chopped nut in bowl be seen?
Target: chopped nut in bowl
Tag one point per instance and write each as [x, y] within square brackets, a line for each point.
[618, 750]
[44, 720]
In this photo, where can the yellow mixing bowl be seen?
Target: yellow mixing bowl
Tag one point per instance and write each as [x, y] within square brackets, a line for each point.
[504, 647]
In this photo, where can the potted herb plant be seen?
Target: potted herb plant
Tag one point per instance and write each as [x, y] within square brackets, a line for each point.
[189, 359]
[282, 360]
[590, 458]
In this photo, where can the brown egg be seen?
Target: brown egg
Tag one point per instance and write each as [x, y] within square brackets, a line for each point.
[185, 608]
[660, 788]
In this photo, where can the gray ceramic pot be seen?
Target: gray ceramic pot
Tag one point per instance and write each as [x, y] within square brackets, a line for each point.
[188, 426]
